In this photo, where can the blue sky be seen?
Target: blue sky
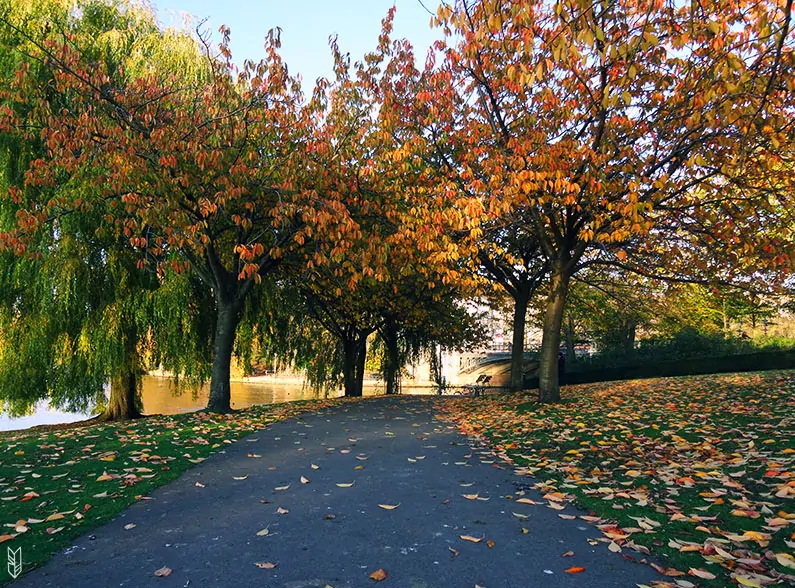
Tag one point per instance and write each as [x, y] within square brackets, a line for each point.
[306, 26]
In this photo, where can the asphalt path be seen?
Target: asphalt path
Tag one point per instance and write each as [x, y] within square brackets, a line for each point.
[302, 499]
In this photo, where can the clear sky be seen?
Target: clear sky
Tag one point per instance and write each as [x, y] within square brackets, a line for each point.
[306, 26]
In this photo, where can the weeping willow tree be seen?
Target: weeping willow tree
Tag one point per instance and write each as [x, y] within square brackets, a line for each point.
[79, 312]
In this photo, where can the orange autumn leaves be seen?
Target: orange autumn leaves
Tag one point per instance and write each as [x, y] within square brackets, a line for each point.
[700, 470]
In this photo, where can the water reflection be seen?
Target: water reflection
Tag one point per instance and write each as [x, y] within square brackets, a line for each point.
[159, 397]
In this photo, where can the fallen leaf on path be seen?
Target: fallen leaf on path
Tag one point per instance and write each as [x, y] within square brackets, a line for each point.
[266, 565]
[304, 480]
[281, 510]
[575, 570]
[568, 554]
[282, 487]
[389, 506]
[520, 516]
[262, 533]
[527, 501]
[490, 543]
[472, 539]
[129, 526]
[345, 485]
[378, 575]
[315, 467]
[453, 551]
[240, 477]
[163, 572]
[199, 485]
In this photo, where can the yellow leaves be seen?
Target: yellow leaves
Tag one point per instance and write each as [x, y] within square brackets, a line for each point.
[747, 581]
[263, 532]
[104, 477]
[786, 560]
[520, 516]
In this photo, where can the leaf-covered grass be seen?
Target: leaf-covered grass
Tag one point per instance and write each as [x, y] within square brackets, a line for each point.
[57, 485]
[699, 471]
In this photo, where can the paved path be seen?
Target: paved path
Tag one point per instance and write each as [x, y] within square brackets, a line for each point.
[393, 452]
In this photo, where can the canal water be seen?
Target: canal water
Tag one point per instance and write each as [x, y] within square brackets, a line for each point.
[159, 397]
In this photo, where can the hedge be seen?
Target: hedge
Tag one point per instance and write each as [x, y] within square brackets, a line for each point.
[748, 362]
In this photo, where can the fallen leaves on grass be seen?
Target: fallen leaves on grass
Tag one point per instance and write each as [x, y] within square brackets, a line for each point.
[697, 470]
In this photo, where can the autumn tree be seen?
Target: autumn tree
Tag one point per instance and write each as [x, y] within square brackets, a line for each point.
[401, 260]
[76, 311]
[608, 120]
[202, 176]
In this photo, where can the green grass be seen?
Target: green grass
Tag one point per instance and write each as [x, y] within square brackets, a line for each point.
[60, 474]
[707, 458]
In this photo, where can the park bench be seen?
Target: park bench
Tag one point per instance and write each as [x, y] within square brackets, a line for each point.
[476, 389]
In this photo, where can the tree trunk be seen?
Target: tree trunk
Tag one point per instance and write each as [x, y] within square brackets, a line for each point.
[517, 346]
[124, 403]
[223, 345]
[571, 355]
[392, 358]
[349, 363]
[629, 342]
[361, 358]
[548, 386]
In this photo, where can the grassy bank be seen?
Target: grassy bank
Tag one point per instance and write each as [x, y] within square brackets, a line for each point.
[699, 471]
[56, 485]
